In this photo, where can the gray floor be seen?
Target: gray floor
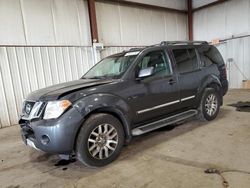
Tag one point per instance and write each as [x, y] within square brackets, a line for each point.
[165, 158]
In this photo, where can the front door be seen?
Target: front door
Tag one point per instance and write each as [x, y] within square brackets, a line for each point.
[158, 94]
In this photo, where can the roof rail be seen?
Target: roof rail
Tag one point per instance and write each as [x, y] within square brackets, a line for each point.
[134, 49]
[182, 42]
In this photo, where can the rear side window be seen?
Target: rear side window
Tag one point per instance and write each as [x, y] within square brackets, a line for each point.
[210, 55]
[186, 60]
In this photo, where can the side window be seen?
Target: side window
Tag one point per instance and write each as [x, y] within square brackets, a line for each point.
[158, 60]
[186, 60]
[210, 55]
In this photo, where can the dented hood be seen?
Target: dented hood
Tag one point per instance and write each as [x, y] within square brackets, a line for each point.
[57, 91]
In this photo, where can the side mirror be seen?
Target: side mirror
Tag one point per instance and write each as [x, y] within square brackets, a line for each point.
[143, 73]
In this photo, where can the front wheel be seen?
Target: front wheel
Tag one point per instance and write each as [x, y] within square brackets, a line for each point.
[209, 105]
[100, 140]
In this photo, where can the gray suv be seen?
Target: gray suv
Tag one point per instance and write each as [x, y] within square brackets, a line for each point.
[125, 95]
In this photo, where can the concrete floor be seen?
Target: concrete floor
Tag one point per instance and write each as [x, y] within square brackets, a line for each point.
[165, 158]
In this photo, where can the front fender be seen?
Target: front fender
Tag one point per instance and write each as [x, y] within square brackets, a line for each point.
[103, 102]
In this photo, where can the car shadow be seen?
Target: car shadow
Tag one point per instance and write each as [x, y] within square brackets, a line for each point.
[46, 163]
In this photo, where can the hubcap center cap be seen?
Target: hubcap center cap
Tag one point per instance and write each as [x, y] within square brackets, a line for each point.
[101, 140]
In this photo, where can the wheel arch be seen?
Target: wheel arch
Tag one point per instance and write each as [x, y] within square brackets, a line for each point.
[211, 81]
[108, 104]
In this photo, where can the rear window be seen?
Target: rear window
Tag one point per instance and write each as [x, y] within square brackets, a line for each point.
[210, 55]
[186, 60]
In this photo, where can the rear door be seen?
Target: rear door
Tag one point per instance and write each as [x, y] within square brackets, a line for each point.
[189, 73]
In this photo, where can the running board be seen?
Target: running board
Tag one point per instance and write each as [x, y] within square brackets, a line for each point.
[163, 122]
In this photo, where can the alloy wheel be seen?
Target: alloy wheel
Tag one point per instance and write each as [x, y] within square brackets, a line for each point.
[102, 141]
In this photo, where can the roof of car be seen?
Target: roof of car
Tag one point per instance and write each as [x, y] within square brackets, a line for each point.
[163, 43]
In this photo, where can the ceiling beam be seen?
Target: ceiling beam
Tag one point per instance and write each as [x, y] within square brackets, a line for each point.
[209, 5]
[143, 5]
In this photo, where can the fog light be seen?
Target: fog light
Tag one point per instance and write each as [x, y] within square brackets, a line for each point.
[45, 140]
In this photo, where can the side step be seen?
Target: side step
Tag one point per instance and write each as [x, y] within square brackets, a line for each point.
[163, 122]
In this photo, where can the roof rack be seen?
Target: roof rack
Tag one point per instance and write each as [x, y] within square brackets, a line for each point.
[182, 42]
[134, 49]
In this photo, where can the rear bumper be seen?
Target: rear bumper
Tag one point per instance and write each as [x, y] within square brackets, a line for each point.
[53, 136]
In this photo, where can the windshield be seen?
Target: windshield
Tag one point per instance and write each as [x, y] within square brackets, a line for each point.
[110, 67]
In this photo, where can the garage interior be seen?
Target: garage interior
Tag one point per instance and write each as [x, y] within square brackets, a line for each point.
[47, 42]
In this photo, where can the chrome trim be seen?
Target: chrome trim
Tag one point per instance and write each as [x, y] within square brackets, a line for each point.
[156, 107]
[187, 98]
[166, 104]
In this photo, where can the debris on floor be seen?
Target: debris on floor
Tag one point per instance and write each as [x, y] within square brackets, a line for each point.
[241, 106]
[64, 162]
[216, 171]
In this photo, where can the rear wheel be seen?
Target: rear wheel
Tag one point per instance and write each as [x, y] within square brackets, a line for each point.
[209, 105]
[100, 140]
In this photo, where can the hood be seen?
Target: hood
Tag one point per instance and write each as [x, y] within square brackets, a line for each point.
[57, 91]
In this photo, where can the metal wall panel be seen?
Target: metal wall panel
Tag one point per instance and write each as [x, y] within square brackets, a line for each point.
[237, 58]
[199, 3]
[222, 21]
[176, 4]
[47, 22]
[11, 28]
[120, 25]
[25, 69]
[225, 21]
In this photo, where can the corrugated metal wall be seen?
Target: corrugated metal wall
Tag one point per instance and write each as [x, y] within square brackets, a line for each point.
[237, 58]
[120, 25]
[199, 3]
[44, 22]
[41, 43]
[176, 4]
[25, 69]
[224, 21]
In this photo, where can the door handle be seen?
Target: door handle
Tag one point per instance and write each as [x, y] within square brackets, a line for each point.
[171, 81]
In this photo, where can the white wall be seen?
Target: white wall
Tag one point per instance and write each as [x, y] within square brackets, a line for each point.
[176, 4]
[199, 3]
[121, 25]
[44, 22]
[42, 42]
[25, 69]
[224, 21]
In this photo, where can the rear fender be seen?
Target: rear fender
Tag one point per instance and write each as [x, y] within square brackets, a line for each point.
[206, 82]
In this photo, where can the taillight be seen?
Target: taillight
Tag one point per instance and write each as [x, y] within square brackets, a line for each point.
[225, 71]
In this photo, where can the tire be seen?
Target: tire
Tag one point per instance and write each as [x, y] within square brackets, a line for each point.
[209, 105]
[100, 140]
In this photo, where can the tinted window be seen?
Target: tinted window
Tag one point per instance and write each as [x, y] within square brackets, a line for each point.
[210, 55]
[186, 60]
[158, 60]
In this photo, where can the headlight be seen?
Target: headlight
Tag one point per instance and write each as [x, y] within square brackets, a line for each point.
[55, 108]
